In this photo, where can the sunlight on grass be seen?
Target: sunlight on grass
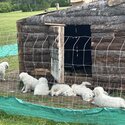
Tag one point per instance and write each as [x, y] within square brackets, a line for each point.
[8, 20]
[6, 119]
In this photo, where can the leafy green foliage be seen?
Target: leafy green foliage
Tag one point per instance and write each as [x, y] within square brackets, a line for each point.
[62, 3]
[5, 7]
[30, 5]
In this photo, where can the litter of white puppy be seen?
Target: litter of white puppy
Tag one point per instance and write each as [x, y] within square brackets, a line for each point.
[98, 96]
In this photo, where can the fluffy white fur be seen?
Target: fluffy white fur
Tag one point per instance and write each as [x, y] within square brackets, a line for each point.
[61, 89]
[3, 67]
[42, 87]
[103, 100]
[88, 1]
[83, 91]
[29, 82]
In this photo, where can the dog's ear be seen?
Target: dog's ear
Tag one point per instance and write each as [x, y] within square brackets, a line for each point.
[7, 66]
[96, 92]
[106, 93]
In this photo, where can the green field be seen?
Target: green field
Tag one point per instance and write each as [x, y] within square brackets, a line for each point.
[8, 20]
[6, 119]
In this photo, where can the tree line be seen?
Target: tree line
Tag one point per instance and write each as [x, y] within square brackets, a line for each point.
[29, 5]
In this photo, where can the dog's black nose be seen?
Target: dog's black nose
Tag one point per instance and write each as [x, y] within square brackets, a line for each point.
[93, 96]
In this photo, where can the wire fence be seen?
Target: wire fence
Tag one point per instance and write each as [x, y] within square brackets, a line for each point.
[100, 62]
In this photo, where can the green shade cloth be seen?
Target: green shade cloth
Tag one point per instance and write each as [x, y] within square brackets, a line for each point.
[96, 116]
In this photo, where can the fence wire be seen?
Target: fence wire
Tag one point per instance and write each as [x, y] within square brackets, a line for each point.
[99, 61]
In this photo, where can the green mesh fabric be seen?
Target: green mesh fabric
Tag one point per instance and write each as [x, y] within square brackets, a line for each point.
[11, 50]
[100, 116]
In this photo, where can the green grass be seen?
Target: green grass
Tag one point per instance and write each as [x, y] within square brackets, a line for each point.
[6, 119]
[8, 24]
[8, 20]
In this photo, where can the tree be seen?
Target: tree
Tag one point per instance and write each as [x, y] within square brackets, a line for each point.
[33, 5]
[29, 5]
[62, 3]
[5, 7]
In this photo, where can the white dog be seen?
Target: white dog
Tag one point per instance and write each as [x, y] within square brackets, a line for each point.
[61, 89]
[103, 100]
[83, 91]
[3, 67]
[42, 87]
[28, 81]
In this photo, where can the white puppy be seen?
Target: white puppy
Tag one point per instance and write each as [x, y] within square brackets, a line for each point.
[42, 87]
[28, 81]
[83, 91]
[3, 67]
[103, 100]
[61, 89]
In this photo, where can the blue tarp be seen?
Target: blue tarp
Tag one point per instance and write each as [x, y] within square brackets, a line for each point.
[8, 50]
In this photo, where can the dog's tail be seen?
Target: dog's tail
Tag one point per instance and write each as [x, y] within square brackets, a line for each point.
[85, 83]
